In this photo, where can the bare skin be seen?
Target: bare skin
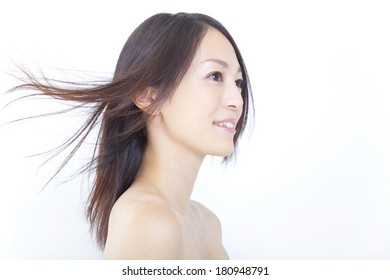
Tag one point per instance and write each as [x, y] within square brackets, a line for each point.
[156, 218]
[152, 229]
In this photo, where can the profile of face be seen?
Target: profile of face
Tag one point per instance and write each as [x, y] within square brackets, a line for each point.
[203, 111]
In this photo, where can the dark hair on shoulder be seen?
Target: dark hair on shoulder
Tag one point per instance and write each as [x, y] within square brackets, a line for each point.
[158, 54]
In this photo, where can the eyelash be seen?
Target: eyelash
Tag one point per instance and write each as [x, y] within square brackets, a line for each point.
[239, 83]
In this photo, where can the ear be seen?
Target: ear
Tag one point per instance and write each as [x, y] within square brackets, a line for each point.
[146, 98]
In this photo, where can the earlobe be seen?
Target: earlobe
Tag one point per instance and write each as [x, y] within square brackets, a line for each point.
[144, 99]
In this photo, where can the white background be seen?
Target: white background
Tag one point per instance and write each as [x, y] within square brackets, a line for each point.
[312, 181]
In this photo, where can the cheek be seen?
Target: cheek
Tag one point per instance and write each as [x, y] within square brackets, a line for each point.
[188, 119]
[184, 114]
[197, 102]
[208, 99]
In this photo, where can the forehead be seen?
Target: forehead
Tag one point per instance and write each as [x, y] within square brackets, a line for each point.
[215, 46]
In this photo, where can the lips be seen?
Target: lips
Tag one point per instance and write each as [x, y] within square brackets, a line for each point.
[226, 124]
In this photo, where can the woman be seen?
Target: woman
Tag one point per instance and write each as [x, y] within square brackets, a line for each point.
[180, 92]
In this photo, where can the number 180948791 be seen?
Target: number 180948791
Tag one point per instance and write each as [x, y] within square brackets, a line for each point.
[250, 270]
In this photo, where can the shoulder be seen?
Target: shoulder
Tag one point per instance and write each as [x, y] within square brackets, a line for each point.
[211, 219]
[143, 228]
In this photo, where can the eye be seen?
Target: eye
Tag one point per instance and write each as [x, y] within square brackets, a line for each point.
[216, 76]
[240, 83]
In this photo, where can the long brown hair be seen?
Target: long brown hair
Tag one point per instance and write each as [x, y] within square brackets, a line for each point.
[158, 54]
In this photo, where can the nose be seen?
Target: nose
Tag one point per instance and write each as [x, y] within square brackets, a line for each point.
[233, 98]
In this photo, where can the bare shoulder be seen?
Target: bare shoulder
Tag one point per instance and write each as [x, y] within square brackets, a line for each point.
[211, 219]
[143, 226]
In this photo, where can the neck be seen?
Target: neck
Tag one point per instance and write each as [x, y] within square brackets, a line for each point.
[171, 172]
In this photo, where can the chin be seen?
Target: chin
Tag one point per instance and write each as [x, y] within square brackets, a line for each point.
[223, 152]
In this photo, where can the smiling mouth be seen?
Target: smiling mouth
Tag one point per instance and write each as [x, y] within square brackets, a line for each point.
[225, 124]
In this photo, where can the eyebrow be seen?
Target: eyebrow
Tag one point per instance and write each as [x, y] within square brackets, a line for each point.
[222, 63]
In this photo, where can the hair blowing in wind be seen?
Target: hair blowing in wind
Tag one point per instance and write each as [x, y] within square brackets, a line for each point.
[157, 54]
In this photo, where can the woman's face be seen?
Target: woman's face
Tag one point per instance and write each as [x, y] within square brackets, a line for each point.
[206, 106]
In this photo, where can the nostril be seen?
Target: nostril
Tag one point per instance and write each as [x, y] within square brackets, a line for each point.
[232, 106]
